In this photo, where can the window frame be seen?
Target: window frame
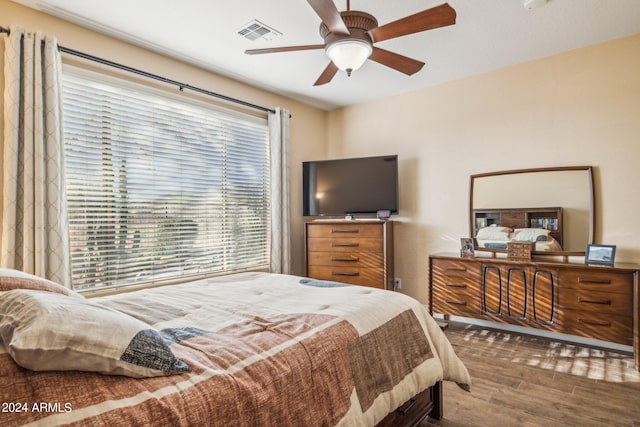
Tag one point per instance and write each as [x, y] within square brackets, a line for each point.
[189, 100]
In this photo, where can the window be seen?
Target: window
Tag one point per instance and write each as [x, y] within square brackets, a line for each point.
[160, 187]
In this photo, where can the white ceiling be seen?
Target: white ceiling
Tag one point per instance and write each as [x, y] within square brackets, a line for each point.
[488, 34]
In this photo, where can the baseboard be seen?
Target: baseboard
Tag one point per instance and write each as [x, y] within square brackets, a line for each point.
[541, 333]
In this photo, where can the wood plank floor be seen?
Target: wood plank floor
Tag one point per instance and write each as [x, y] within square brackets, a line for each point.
[524, 380]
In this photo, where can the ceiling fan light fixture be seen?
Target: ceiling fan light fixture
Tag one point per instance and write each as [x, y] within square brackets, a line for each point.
[349, 54]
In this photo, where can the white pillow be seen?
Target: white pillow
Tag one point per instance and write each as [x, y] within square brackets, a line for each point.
[494, 233]
[46, 331]
[529, 234]
[14, 279]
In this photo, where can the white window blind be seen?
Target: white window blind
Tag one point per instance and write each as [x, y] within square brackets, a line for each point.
[160, 187]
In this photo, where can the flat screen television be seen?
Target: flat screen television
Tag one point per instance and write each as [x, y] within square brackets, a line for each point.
[363, 185]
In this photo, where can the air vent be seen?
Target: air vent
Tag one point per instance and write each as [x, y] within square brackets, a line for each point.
[255, 30]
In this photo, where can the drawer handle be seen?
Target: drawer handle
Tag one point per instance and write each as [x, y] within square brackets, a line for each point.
[345, 273]
[449, 301]
[456, 269]
[345, 245]
[350, 259]
[594, 281]
[594, 301]
[405, 410]
[355, 230]
[594, 322]
[455, 285]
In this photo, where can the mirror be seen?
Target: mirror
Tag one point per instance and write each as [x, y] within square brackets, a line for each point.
[558, 199]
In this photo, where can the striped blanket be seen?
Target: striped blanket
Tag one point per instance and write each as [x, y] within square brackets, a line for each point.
[263, 350]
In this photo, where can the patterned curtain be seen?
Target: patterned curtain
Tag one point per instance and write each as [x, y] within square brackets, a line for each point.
[34, 224]
[280, 205]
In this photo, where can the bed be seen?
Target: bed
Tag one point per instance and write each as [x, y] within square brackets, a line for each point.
[497, 237]
[543, 226]
[249, 349]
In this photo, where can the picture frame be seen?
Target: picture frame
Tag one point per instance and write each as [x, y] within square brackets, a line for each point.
[600, 254]
[467, 248]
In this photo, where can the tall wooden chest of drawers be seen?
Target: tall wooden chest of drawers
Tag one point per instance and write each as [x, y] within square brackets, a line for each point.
[595, 302]
[356, 252]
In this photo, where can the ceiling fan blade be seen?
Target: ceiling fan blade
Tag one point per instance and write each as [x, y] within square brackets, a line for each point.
[396, 61]
[283, 49]
[330, 15]
[327, 74]
[436, 17]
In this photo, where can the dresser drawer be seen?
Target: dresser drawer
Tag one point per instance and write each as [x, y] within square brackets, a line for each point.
[354, 275]
[456, 287]
[600, 326]
[453, 273]
[597, 280]
[342, 244]
[597, 301]
[455, 303]
[346, 259]
[344, 230]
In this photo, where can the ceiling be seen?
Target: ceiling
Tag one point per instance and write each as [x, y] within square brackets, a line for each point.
[488, 34]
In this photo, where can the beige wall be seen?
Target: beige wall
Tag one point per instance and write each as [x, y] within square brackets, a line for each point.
[576, 108]
[308, 124]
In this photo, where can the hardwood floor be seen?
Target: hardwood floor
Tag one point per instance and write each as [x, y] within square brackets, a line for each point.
[524, 380]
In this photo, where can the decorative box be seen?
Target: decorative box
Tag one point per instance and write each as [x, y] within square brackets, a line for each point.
[519, 251]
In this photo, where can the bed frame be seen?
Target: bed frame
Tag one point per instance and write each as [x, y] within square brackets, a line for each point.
[416, 409]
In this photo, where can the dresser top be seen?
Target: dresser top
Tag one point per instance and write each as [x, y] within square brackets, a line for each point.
[487, 257]
[347, 221]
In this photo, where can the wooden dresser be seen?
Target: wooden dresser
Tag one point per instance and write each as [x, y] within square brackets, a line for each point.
[357, 252]
[590, 301]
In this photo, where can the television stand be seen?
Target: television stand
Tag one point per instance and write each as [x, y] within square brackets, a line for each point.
[359, 252]
[343, 220]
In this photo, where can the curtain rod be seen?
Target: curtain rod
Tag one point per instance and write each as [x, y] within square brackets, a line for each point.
[180, 85]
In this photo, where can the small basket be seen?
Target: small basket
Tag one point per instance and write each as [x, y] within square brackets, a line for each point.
[519, 251]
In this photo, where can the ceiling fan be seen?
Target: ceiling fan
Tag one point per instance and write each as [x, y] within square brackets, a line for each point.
[349, 37]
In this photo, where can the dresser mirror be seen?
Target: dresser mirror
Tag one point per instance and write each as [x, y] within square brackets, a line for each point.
[551, 207]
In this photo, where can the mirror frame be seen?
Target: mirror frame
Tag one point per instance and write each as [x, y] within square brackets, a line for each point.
[592, 205]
